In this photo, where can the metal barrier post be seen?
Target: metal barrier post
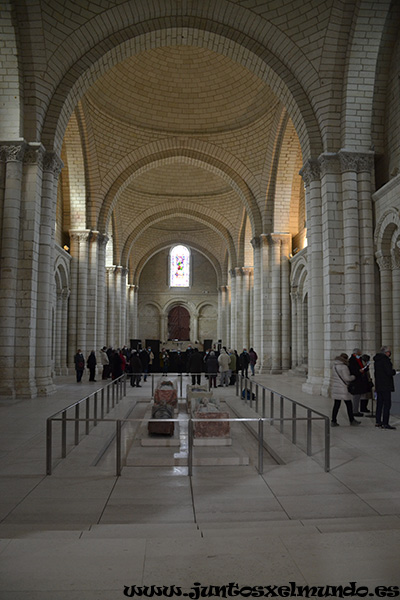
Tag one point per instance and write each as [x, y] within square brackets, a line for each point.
[309, 433]
[281, 414]
[108, 398]
[245, 390]
[272, 407]
[181, 384]
[257, 387]
[64, 435]
[190, 447]
[327, 445]
[113, 394]
[77, 424]
[118, 448]
[95, 409]
[294, 423]
[49, 442]
[102, 403]
[263, 402]
[87, 415]
[152, 385]
[125, 379]
[260, 446]
[251, 393]
[237, 384]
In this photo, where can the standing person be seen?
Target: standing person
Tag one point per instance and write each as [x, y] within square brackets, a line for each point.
[91, 364]
[341, 377]
[136, 369]
[360, 385]
[79, 365]
[244, 361]
[212, 369]
[144, 357]
[223, 361]
[384, 386]
[116, 365]
[105, 363]
[196, 366]
[165, 361]
[253, 359]
[232, 367]
[367, 395]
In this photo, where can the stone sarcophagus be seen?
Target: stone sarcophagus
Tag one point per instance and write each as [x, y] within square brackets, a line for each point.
[166, 393]
[209, 408]
[161, 411]
[194, 392]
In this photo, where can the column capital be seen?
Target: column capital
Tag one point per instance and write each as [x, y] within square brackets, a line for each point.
[247, 271]
[329, 164]
[385, 263]
[53, 163]
[310, 172]
[79, 235]
[255, 242]
[357, 162]
[13, 152]
[34, 155]
[232, 273]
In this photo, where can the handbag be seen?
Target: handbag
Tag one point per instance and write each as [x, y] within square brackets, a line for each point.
[350, 386]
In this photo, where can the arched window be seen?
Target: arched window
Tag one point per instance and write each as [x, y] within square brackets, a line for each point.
[179, 267]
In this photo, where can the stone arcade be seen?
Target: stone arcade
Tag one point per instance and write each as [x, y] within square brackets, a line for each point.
[262, 136]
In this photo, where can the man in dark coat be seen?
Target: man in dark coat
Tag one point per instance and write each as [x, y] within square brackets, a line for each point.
[195, 366]
[384, 386]
[79, 365]
[136, 369]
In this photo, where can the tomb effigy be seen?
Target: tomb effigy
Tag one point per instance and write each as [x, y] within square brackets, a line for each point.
[210, 431]
[161, 411]
[166, 393]
[196, 391]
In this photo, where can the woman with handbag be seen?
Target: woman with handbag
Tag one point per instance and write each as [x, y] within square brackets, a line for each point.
[341, 379]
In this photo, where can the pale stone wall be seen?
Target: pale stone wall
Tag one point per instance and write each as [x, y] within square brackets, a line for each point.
[155, 296]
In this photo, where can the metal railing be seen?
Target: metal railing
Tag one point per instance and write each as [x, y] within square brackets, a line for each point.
[100, 402]
[94, 407]
[276, 405]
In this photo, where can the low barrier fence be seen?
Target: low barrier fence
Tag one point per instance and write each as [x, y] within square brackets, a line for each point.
[271, 407]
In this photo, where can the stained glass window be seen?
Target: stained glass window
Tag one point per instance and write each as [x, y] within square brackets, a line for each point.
[179, 267]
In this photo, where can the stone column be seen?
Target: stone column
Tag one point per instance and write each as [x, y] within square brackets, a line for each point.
[64, 331]
[195, 326]
[311, 177]
[135, 312]
[124, 301]
[57, 333]
[233, 319]
[265, 326]
[396, 305]
[294, 298]
[52, 166]
[12, 157]
[365, 167]
[276, 304]
[79, 250]
[111, 337]
[385, 270]
[92, 291]
[239, 313]
[101, 293]
[221, 320]
[246, 275]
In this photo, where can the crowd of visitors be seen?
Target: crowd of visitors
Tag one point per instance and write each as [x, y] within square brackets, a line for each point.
[220, 366]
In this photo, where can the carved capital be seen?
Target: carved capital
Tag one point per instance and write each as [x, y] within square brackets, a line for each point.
[79, 235]
[65, 293]
[34, 155]
[255, 242]
[53, 163]
[13, 152]
[356, 162]
[310, 172]
[385, 263]
[232, 273]
[330, 164]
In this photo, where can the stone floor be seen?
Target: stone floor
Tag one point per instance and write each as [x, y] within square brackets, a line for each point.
[83, 533]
